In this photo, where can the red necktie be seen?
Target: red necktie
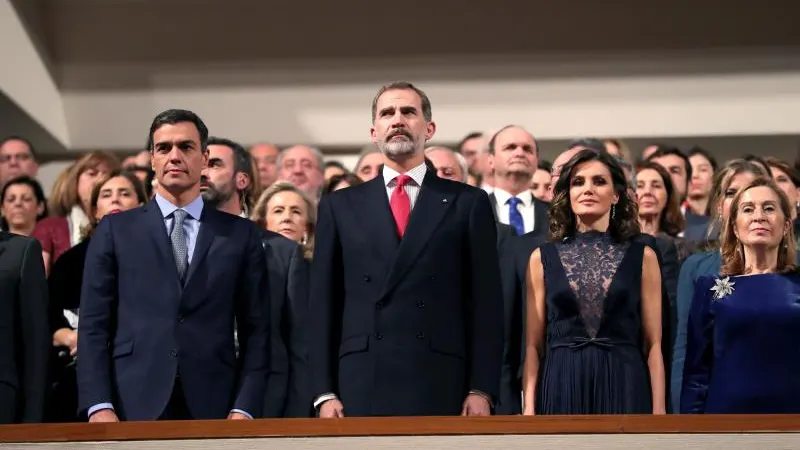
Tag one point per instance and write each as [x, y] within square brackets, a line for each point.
[401, 204]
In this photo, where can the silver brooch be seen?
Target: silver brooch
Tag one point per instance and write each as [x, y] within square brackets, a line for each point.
[723, 287]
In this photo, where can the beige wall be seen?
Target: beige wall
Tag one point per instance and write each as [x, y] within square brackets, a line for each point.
[256, 72]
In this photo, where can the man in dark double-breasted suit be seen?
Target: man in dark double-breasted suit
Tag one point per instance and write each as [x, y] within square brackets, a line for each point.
[406, 305]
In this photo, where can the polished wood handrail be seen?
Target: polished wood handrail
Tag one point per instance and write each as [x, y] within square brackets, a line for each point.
[400, 426]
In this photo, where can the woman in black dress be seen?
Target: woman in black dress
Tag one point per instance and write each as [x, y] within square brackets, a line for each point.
[117, 192]
[593, 338]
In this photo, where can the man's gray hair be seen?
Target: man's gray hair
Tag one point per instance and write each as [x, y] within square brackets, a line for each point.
[317, 155]
[366, 150]
[462, 162]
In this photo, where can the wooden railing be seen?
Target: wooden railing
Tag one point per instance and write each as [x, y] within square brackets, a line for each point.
[419, 426]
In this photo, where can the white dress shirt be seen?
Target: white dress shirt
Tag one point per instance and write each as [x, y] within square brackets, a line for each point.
[412, 188]
[525, 208]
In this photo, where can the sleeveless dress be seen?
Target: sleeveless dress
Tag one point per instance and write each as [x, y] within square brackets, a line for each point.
[594, 362]
[742, 351]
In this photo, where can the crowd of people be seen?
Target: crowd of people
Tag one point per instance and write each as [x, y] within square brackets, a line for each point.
[199, 279]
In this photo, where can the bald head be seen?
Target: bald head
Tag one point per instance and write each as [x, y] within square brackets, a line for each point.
[302, 165]
[448, 163]
[265, 156]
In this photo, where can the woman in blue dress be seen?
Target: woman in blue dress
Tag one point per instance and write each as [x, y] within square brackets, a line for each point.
[742, 353]
[736, 174]
[593, 336]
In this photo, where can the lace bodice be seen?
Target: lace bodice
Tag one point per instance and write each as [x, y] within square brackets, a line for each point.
[590, 261]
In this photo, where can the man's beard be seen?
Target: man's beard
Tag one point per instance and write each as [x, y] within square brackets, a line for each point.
[213, 196]
[402, 147]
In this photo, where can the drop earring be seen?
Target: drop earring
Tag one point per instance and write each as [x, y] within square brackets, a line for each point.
[613, 211]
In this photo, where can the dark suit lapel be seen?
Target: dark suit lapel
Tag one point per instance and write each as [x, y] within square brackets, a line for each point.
[208, 229]
[493, 201]
[378, 219]
[540, 224]
[277, 276]
[158, 234]
[430, 208]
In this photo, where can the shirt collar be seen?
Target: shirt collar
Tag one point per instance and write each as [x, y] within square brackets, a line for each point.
[417, 174]
[194, 209]
[502, 197]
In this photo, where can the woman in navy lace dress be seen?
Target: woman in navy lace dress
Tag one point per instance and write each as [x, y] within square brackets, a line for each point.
[593, 337]
[742, 353]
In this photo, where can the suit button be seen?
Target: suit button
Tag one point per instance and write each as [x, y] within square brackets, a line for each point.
[174, 353]
[379, 305]
[180, 319]
[433, 277]
[420, 335]
[366, 278]
[378, 336]
[420, 304]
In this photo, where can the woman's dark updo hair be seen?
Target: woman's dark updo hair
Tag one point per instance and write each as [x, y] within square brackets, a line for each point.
[622, 227]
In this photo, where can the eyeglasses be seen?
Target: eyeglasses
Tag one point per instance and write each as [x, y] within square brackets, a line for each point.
[18, 156]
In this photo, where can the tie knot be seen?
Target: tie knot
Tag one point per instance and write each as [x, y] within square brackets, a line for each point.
[402, 180]
[514, 201]
[179, 215]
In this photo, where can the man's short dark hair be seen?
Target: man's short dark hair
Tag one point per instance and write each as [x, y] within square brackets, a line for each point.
[173, 116]
[242, 163]
[21, 139]
[696, 150]
[468, 137]
[665, 150]
[589, 143]
[336, 164]
[427, 114]
[547, 166]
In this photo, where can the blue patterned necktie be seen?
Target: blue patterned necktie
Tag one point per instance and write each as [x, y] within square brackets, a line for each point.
[180, 248]
[514, 216]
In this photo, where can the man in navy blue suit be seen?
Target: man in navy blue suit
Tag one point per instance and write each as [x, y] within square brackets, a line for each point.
[406, 305]
[164, 285]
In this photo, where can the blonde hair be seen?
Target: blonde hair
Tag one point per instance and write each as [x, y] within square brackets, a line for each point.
[65, 190]
[259, 214]
[721, 182]
[732, 249]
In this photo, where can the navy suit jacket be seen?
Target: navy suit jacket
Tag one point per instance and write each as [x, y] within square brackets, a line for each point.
[140, 327]
[406, 326]
[288, 384]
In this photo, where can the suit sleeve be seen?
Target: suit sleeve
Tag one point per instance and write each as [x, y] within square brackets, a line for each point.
[299, 398]
[699, 350]
[325, 299]
[486, 300]
[35, 333]
[97, 317]
[509, 400]
[252, 318]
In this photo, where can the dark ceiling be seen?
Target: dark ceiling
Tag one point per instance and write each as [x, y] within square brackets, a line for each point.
[176, 31]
